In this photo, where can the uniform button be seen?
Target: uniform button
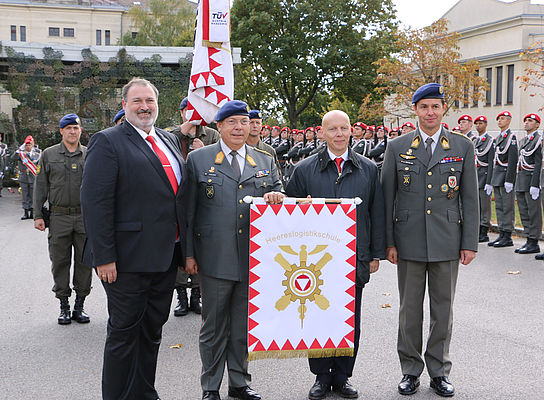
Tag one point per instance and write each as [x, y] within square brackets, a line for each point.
[459, 221]
[429, 212]
[406, 168]
[239, 231]
[430, 173]
[241, 216]
[452, 169]
[264, 184]
[430, 186]
[209, 181]
[429, 198]
[239, 186]
[396, 220]
[240, 201]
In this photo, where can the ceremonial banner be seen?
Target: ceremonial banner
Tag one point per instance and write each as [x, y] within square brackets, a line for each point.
[212, 78]
[28, 162]
[302, 280]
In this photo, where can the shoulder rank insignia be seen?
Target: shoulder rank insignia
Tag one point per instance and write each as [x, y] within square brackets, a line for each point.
[262, 173]
[250, 160]
[262, 151]
[219, 158]
[416, 142]
[445, 142]
[38, 169]
[407, 156]
[460, 134]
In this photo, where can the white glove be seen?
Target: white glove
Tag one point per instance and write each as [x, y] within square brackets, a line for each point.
[488, 189]
[535, 192]
[508, 186]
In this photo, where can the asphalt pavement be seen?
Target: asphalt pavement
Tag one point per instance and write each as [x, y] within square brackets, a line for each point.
[497, 347]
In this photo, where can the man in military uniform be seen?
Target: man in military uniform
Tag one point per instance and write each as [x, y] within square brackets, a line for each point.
[528, 184]
[426, 176]
[220, 176]
[407, 127]
[465, 125]
[27, 157]
[253, 140]
[119, 117]
[503, 180]
[360, 145]
[485, 153]
[58, 181]
[3, 154]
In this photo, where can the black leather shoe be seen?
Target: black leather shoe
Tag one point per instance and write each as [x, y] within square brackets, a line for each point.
[183, 306]
[482, 238]
[346, 390]
[530, 247]
[211, 395]
[26, 215]
[506, 241]
[539, 256]
[64, 317]
[522, 247]
[244, 393]
[442, 386]
[79, 314]
[319, 390]
[498, 239]
[408, 384]
[195, 301]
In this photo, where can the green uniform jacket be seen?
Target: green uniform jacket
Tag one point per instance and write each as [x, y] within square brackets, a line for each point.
[59, 178]
[423, 215]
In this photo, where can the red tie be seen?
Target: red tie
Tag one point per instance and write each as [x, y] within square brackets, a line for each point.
[339, 161]
[165, 163]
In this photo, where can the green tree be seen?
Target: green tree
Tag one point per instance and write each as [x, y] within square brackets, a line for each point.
[295, 49]
[163, 23]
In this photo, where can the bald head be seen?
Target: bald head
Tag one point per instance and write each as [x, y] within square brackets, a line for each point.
[334, 114]
[336, 131]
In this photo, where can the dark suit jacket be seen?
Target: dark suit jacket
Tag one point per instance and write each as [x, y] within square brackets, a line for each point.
[129, 208]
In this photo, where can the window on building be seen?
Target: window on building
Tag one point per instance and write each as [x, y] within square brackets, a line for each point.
[99, 37]
[107, 37]
[134, 34]
[69, 32]
[22, 33]
[13, 30]
[465, 96]
[475, 91]
[510, 85]
[489, 78]
[498, 94]
[54, 31]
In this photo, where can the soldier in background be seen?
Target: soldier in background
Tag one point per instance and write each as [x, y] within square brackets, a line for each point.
[380, 144]
[407, 127]
[266, 134]
[3, 154]
[503, 180]
[253, 140]
[362, 145]
[528, 184]
[58, 180]
[394, 133]
[484, 146]
[465, 125]
[27, 156]
[119, 117]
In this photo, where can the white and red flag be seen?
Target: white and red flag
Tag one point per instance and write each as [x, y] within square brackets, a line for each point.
[212, 78]
[28, 162]
[302, 280]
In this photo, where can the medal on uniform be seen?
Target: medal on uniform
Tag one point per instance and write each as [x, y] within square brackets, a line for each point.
[452, 181]
[212, 170]
[409, 151]
[444, 188]
[406, 180]
[74, 166]
[210, 191]
[451, 194]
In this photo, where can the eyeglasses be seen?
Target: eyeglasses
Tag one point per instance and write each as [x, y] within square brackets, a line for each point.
[233, 122]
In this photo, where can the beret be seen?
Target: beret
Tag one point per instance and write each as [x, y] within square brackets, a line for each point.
[69, 119]
[359, 124]
[233, 107]
[428, 91]
[371, 128]
[29, 139]
[383, 127]
[456, 128]
[266, 126]
[183, 103]
[481, 118]
[255, 114]
[276, 127]
[118, 116]
[285, 129]
[318, 127]
[310, 128]
[504, 114]
[445, 125]
[464, 117]
[408, 124]
[533, 116]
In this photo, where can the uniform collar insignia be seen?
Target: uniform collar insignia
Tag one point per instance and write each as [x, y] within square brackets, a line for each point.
[250, 160]
[416, 142]
[445, 143]
[219, 158]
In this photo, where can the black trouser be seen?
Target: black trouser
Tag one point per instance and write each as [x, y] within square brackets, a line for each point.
[336, 370]
[138, 307]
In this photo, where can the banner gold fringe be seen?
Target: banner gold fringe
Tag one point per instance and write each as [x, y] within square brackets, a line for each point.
[217, 45]
[311, 353]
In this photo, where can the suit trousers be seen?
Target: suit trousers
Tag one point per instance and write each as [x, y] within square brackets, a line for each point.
[504, 206]
[485, 208]
[336, 370]
[67, 232]
[26, 190]
[530, 213]
[138, 307]
[441, 279]
[223, 334]
[182, 280]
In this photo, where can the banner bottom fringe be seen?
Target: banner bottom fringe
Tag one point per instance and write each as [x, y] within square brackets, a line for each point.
[312, 353]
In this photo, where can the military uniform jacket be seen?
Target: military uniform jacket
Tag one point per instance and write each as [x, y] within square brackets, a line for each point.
[295, 150]
[270, 150]
[485, 152]
[206, 134]
[506, 159]
[317, 176]
[59, 177]
[423, 215]
[3, 154]
[282, 149]
[530, 162]
[378, 153]
[217, 216]
[25, 176]
[362, 147]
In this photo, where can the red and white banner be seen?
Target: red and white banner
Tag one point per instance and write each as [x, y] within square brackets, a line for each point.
[302, 280]
[28, 162]
[212, 77]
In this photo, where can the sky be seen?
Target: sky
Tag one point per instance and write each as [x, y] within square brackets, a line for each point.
[421, 13]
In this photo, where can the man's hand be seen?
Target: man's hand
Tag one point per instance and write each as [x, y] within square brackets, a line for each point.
[39, 224]
[374, 265]
[391, 255]
[508, 187]
[197, 143]
[188, 129]
[535, 192]
[107, 272]
[488, 189]
[191, 267]
[467, 256]
[274, 197]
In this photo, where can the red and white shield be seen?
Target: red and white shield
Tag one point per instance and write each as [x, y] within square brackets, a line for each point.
[452, 181]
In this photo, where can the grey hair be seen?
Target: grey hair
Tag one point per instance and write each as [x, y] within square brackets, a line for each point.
[140, 82]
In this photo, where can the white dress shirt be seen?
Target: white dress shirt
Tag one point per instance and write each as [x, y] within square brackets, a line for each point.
[333, 157]
[434, 137]
[241, 156]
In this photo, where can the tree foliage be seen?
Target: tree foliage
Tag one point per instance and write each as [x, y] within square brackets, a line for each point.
[430, 54]
[294, 49]
[532, 80]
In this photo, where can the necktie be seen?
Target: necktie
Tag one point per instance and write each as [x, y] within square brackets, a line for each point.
[234, 164]
[429, 147]
[338, 161]
[165, 163]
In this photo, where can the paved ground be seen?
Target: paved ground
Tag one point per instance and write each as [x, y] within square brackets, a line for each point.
[497, 347]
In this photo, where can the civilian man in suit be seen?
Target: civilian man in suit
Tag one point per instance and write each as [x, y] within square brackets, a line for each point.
[131, 197]
[426, 176]
[220, 176]
[338, 171]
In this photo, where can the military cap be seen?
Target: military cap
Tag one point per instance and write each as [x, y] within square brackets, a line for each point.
[408, 124]
[255, 114]
[118, 116]
[360, 125]
[233, 107]
[318, 127]
[464, 117]
[504, 114]
[428, 91]
[276, 127]
[371, 128]
[481, 118]
[383, 127]
[445, 125]
[69, 119]
[310, 128]
[456, 128]
[29, 139]
[266, 126]
[532, 116]
[183, 103]
[285, 129]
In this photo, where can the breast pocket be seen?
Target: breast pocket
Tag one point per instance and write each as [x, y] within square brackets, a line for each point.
[262, 185]
[450, 174]
[57, 173]
[408, 177]
[211, 189]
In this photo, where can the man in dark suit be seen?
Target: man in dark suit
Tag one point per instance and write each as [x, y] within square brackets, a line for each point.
[131, 198]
